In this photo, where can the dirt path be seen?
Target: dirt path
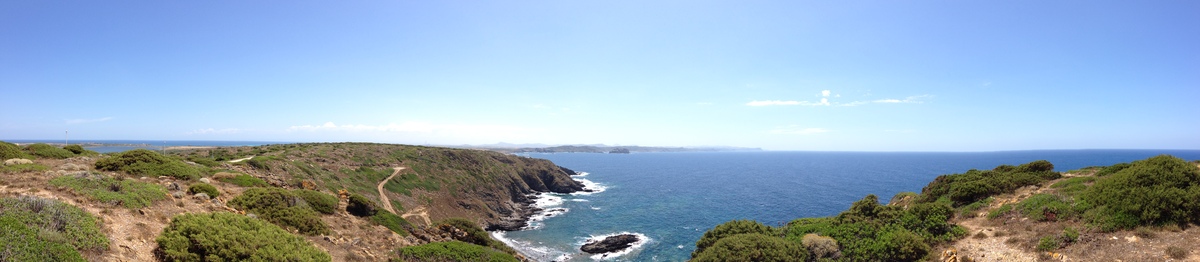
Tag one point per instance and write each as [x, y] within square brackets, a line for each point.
[240, 160]
[420, 211]
[387, 204]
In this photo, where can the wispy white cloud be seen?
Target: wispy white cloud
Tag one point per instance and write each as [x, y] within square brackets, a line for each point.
[85, 121]
[797, 130]
[907, 100]
[825, 93]
[214, 131]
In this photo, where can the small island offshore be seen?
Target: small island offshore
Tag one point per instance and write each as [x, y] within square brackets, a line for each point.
[377, 202]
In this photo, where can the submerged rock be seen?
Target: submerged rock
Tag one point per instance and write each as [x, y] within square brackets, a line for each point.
[610, 244]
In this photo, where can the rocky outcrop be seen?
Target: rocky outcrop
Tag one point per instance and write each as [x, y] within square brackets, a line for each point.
[17, 161]
[610, 244]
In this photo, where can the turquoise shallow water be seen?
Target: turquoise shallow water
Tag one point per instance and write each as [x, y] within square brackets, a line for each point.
[672, 198]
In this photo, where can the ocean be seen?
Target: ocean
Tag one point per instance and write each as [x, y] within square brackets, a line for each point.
[670, 199]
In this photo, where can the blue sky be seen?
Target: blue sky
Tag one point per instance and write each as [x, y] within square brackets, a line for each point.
[780, 75]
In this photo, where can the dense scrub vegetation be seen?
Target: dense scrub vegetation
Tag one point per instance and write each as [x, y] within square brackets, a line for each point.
[223, 236]
[10, 151]
[123, 192]
[38, 229]
[142, 162]
[207, 189]
[975, 185]
[1161, 190]
[753, 247]
[475, 234]
[48, 151]
[282, 207]
[18, 168]
[244, 180]
[452, 251]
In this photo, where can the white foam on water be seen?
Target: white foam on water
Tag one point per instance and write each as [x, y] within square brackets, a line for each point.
[546, 200]
[595, 207]
[579, 200]
[531, 250]
[589, 185]
[641, 241]
[581, 174]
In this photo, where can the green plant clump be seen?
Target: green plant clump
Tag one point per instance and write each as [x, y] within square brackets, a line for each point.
[753, 247]
[361, 206]
[224, 236]
[392, 222]
[475, 234]
[1157, 191]
[1046, 207]
[452, 251]
[1047, 243]
[39, 229]
[974, 185]
[729, 229]
[869, 231]
[281, 207]
[48, 151]
[126, 192]
[999, 211]
[144, 162]
[10, 151]
[320, 202]
[207, 189]
[79, 150]
[19, 168]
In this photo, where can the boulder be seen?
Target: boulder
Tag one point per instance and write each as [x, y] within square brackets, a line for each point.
[17, 161]
[205, 180]
[610, 244]
[201, 196]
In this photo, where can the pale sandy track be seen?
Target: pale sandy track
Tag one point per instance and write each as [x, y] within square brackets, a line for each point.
[387, 204]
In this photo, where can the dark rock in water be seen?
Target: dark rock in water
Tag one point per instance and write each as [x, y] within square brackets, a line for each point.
[610, 244]
[507, 225]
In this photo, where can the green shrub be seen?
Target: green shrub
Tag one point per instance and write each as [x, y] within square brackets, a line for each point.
[144, 162]
[452, 251]
[1113, 169]
[10, 151]
[969, 210]
[729, 229]
[244, 180]
[1070, 235]
[48, 151]
[361, 206]
[226, 236]
[55, 222]
[208, 162]
[210, 190]
[22, 243]
[1073, 186]
[475, 234]
[1154, 191]
[129, 193]
[392, 221]
[1047, 243]
[975, 185]
[869, 231]
[79, 150]
[999, 211]
[22, 168]
[1046, 207]
[281, 207]
[320, 202]
[753, 247]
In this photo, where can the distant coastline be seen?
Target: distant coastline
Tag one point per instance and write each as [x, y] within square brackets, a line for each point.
[111, 146]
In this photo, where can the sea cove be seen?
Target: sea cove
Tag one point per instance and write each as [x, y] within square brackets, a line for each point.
[672, 198]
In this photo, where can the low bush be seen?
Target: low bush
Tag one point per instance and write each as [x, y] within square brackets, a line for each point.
[223, 236]
[1177, 252]
[281, 207]
[10, 151]
[48, 151]
[729, 229]
[969, 210]
[869, 231]
[127, 193]
[392, 222]
[753, 247]
[1070, 235]
[79, 150]
[19, 168]
[53, 222]
[1073, 186]
[1113, 169]
[975, 185]
[1047, 243]
[452, 251]
[1046, 207]
[19, 242]
[361, 206]
[821, 246]
[1155, 191]
[142, 162]
[210, 190]
[475, 234]
[244, 180]
[999, 211]
[320, 202]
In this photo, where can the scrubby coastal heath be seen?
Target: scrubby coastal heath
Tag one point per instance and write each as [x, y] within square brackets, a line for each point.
[375, 202]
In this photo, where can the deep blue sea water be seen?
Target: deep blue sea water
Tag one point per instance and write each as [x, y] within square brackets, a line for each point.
[672, 198]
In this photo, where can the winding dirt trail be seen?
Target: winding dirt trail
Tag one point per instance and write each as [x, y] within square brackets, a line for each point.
[387, 204]
[420, 211]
